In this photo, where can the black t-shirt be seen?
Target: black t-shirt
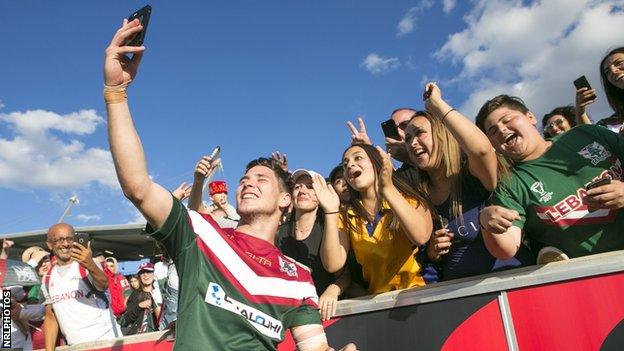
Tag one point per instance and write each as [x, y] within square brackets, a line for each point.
[468, 255]
[306, 251]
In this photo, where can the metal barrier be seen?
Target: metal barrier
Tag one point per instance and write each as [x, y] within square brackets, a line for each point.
[567, 305]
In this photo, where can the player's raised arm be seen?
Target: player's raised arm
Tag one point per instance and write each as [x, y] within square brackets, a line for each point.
[151, 199]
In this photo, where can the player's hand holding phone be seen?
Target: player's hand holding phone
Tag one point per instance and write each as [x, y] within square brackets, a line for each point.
[119, 68]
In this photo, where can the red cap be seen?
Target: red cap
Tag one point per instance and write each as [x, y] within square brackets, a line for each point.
[147, 266]
[217, 187]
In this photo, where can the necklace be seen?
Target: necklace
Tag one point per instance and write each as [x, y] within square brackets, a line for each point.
[302, 231]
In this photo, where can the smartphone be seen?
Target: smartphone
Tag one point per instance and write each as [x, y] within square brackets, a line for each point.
[598, 182]
[390, 129]
[215, 153]
[143, 15]
[582, 82]
[83, 239]
[427, 93]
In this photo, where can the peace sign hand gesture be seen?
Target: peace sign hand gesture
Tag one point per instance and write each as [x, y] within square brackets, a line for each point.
[359, 136]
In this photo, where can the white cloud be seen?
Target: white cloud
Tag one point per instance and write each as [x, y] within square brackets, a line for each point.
[448, 5]
[38, 158]
[377, 64]
[88, 218]
[1, 104]
[534, 51]
[408, 22]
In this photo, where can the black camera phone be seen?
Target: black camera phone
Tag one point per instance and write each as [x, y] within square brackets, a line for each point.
[390, 129]
[83, 239]
[143, 15]
[582, 82]
[598, 182]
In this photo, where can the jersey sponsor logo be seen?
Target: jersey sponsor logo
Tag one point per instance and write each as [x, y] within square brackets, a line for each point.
[259, 259]
[538, 188]
[287, 267]
[261, 321]
[595, 153]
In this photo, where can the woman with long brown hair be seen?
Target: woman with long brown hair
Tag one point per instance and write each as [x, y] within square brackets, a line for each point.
[458, 169]
[612, 77]
[384, 221]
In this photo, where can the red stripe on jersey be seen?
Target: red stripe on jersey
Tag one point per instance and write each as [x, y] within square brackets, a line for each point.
[566, 222]
[264, 299]
[260, 256]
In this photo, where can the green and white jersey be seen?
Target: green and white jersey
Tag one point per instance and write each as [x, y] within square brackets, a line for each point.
[548, 192]
[237, 292]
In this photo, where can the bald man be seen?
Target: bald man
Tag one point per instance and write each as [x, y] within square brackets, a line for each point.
[74, 290]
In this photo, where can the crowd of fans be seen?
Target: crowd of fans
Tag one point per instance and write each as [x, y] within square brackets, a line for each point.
[468, 199]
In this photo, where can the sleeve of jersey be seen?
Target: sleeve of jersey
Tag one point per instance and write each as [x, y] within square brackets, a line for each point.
[303, 315]
[504, 196]
[176, 234]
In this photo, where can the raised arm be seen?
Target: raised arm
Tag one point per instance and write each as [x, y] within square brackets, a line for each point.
[584, 97]
[202, 170]
[6, 245]
[481, 157]
[335, 245]
[182, 192]
[152, 200]
[416, 222]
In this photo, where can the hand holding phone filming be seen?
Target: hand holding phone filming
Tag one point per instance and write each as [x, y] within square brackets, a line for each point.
[390, 129]
[143, 15]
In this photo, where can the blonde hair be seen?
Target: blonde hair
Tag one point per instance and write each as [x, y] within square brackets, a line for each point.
[448, 155]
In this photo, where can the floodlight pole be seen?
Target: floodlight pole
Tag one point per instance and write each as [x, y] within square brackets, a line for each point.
[72, 201]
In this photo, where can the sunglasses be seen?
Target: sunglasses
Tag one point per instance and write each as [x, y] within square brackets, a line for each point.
[557, 122]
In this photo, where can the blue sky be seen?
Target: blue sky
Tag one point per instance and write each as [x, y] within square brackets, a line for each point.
[256, 77]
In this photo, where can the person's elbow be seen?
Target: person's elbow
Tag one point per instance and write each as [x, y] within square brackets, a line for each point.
[501, 249]
[490, 182]
[136, 191]
[503, 253]
[422, 233]
[423, 238]
[332, 265]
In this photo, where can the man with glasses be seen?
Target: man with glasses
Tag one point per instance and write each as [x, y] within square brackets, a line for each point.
[74, 288]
